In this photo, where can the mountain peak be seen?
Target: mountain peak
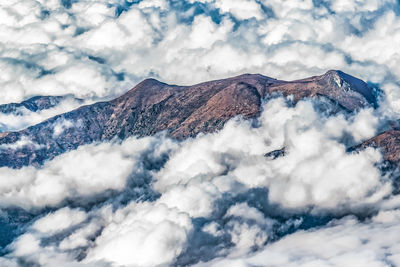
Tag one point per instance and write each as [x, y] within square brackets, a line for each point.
[333, 72]
[149, 81]
[347, 82]
[253, 75]
[342, 80]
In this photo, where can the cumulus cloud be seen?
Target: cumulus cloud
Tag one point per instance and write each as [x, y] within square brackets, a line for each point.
[87, 171]
[58, 221]
[144, 234]
[343, 242]
[241, 9]
[316, 169]
[99, 49]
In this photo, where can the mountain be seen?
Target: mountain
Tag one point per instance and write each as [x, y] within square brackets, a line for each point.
[184, 111]
[34, 104]
[349, 92]
[388, 142]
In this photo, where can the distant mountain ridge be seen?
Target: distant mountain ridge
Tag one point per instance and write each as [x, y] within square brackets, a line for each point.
[34, 104]
[388, 142]
[183, 111]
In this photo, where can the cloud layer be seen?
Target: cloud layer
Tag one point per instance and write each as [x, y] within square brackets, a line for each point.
[213, 200]
[155, 201]
[101, 48]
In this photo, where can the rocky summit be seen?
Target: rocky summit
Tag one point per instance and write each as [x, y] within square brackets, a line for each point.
[182, 111]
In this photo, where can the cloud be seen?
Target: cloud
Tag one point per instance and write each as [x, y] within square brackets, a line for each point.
[343, 242]
[316, 169]
[249, 229]
[241, 9]
[87, 171]
[58, 221]
[216, 197]
[391, 104]
[23, 117]
[62, 125]
[143, 235]
[114, 45]
[22, 142]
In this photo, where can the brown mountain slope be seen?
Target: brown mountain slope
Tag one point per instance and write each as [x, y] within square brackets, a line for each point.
[183, 111]
[388, 142]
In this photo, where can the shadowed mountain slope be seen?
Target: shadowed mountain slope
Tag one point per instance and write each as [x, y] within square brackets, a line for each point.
[183, 111]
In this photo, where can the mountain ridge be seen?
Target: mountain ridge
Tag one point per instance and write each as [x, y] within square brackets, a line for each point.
[35, 103]
[183, 111]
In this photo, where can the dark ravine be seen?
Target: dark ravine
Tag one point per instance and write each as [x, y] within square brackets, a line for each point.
[183, 111]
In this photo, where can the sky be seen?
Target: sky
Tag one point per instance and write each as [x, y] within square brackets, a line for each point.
[212, 200]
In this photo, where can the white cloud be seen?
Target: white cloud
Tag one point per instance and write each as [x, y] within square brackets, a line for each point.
[205, 33]
[295, 40]
[353, 6]
[22, 142]
[346, 242]
[241, 9]
[142, 234]
[392, 99]
[58, 221]
[248, 235]
[89, 170]
[162, 4]
[61, 125]
[25, 117]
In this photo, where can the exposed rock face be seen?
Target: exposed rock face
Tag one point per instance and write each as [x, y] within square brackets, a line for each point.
[183, 111]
